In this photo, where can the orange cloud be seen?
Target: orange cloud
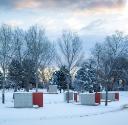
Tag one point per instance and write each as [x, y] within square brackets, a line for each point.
[69, 4]
[27, 4]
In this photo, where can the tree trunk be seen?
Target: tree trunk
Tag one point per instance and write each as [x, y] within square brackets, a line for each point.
[68, 93]
[27, 85]
[3, 86]
[3, 96]
[15, 89]
[106, 99]
[36, 83]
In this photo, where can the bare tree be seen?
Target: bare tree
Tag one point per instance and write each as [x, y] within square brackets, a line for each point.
[97, 54]
[6, 52]
[70, 50]
[107, 53]
[70, 53]
[18, 40]
[115, 46]
[19, 44]
[39, 49]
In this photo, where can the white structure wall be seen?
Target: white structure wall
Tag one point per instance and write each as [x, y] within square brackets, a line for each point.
[23, 100]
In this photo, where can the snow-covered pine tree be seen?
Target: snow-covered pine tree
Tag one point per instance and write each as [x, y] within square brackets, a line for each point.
[85, 78]
[15, 73]
[61, 78]
[28, 73]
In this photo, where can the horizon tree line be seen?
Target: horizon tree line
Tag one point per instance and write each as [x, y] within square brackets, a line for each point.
[24, 55]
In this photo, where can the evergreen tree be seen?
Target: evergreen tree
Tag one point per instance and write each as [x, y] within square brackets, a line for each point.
[15, 73]
[22, 74]
[120, 72]
[85, 78]
[62, 78]
[28, 73]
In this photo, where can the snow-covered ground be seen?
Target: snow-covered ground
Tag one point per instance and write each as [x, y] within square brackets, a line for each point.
[56, 112]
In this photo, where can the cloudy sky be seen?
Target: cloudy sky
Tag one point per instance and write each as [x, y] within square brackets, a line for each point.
[92, 19]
